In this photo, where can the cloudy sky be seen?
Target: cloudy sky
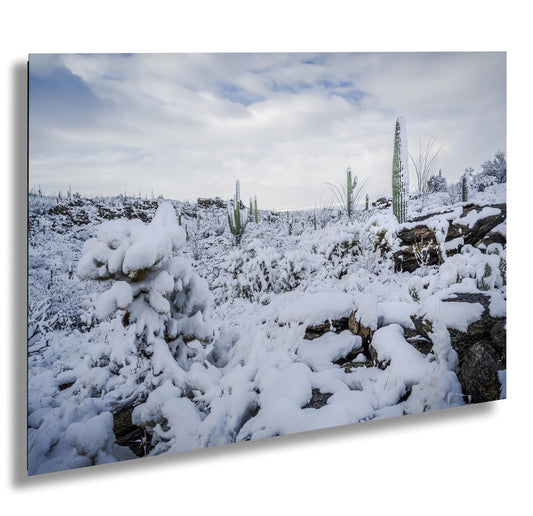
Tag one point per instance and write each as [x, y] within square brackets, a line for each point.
[189, 125]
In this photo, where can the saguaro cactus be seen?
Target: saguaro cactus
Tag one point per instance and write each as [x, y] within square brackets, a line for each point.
[237, 223]
[255, 210]
[465, 186]
[367, 202]
[400, 172]
[350, 187]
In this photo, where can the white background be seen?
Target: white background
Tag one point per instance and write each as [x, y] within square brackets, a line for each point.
[467, 460]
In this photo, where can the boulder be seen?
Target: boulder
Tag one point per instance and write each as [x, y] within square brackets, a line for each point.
[481, 351]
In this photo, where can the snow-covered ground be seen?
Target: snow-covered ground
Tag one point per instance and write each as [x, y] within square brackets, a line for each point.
[161, 312]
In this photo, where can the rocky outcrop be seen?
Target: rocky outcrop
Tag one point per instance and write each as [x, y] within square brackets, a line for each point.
[419, 245]
[481, 351]
[217, 202]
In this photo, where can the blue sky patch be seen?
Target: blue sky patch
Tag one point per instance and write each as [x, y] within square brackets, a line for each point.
[235, 93]
[353, 95]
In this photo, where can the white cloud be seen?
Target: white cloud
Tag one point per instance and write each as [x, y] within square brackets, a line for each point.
[173, 123]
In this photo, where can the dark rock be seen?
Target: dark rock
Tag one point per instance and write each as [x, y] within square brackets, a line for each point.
[350, 366]
[376, 362]
[318, 399]
[419, 247]
[358, 329]
[382, 203]
[217, 202]
[481, 351]
[137, 439]
[422, 326]
[317, 330]
[65, 386]
[422, 345]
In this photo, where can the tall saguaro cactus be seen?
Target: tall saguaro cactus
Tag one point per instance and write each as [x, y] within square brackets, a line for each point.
[237, 223]
[256, 216]
[465, 186]
[350, 187]
[400, 172]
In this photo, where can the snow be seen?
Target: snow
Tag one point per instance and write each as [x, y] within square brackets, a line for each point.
[399, 312]
[312, 308]
[473, 216]
[407, 365]
[455, 315]
[93, 438]
[320, 352]
[206, 339]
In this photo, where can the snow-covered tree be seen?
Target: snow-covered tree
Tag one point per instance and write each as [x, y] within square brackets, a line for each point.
[437, 184]
[400, 172]
[155, 290]
[496, 168]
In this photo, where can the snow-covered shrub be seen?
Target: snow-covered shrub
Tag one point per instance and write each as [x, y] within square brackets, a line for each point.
[381, 231]
[482, 182]
[496, 168]
[251, 272]
[484, 268]
[437, 184]
[155, 290]
[293, 268]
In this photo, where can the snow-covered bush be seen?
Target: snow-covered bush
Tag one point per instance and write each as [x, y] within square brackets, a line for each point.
[482, 182]
[156, 291]
[437, 184]
[496, 168]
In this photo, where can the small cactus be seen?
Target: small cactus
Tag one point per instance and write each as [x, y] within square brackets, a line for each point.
[255, 210]
[367, 202]
[236, 222]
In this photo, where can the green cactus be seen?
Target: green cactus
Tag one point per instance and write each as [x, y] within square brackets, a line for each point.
[350, 187]
[400, 172]
[237, 223]
[464, 186]
[251, 206]
[367, 202]
[255, 210]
